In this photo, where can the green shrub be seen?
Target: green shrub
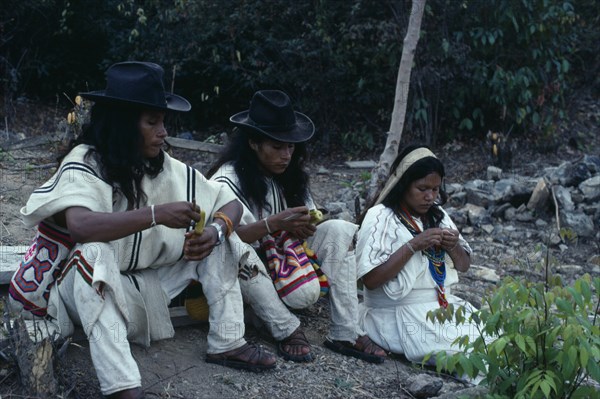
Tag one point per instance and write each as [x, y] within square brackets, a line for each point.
[536, 340]
[498, 65]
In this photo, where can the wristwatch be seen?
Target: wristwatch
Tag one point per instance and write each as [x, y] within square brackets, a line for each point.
[220, 234]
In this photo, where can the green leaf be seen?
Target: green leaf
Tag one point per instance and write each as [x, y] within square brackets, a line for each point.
[467, 366]
[451, 362]
[533, 377]
[594, 369]
[576, 296]
[531, 343]
[531, 28]
[545, 387]
[520, 341]
[534, 389]
[564, 306]
[514, 21]
[466, 123]
[478, 363]
[551, 377]
[572, 354]
[584, 392]
[585, 290]
[584, 357]
[500, 344]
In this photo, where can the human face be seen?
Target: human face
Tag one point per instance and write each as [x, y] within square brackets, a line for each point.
[274, 156]
[421, 194]
[152, 129]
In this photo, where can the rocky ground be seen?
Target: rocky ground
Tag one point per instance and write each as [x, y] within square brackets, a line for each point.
[505, 242]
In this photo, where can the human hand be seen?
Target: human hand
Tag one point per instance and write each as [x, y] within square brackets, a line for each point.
[177, 214]
[427, 239]
[291, 219]
[198, 246]
[303, 232]
[449, 239]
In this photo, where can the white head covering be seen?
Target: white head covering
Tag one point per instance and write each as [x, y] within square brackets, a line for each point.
[406, 163]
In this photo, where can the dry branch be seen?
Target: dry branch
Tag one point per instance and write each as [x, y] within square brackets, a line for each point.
[194, 145]
[34, 360]
[409, 47]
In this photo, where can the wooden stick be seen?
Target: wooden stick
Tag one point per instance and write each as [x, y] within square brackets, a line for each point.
[555, 209]
[173, 78]
[194, 145]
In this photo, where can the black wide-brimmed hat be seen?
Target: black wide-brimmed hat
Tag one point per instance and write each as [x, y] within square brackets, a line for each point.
[138, 83]
[271, 114]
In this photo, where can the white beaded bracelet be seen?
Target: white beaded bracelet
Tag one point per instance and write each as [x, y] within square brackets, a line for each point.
[153, 219]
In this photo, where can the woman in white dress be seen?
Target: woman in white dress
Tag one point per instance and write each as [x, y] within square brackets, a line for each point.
[409, 252]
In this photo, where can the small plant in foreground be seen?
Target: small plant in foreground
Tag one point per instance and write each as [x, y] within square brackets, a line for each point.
[535, 340]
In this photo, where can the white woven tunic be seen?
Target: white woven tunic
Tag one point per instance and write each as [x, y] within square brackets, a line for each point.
[394, 315]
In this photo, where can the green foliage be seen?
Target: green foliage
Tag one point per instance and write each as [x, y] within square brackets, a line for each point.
[536, 340]
[48, 47]
[500, 64]
[568, 235]
[480, 65]
[337, 60]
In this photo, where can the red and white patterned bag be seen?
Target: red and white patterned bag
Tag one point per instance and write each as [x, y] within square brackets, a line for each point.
[30, 285]
[291, 270]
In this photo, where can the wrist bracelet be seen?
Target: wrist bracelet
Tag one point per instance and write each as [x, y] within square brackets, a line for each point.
[454, 247]
[267, 225]
[153, 219]
[227, 221]
[411, 248]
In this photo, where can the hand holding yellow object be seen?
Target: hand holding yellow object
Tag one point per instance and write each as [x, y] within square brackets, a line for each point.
[315, 216]
[199, 227]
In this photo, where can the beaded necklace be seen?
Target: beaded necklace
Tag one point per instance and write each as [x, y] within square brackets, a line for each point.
[435, 255]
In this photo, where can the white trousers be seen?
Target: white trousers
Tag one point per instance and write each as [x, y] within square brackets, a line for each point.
[110, 334]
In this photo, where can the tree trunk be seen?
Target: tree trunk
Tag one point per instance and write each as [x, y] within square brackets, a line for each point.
[381, 171]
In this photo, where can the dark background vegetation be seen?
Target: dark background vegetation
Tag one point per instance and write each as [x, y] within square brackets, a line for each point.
[501, 65]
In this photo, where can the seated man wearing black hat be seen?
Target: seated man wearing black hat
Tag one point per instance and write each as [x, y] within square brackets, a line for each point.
[264, 166]
[115, 242]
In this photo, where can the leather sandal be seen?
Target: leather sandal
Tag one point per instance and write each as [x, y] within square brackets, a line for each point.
[297, 338]
[363, 349]
[250, 357]
[133, 393]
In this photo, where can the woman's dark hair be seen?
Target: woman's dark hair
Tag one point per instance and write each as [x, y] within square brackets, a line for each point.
[416, 171]
[115, 138]
[294, 181]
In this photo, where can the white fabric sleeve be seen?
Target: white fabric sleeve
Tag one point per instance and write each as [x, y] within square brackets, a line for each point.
[379, 237]
[77, 182]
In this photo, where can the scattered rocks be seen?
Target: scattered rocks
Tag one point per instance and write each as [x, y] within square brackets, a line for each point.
[424, 385]
[485, 273]
[590, 188]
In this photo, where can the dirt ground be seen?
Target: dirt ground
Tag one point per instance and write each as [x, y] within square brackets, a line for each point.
[175, 368]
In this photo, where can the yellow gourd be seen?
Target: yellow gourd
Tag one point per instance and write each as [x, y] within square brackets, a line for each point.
[199, 228]
[315, 216]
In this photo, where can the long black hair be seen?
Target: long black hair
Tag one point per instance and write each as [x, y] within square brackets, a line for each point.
[294, 181]
[115, 138]
[416, 171]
